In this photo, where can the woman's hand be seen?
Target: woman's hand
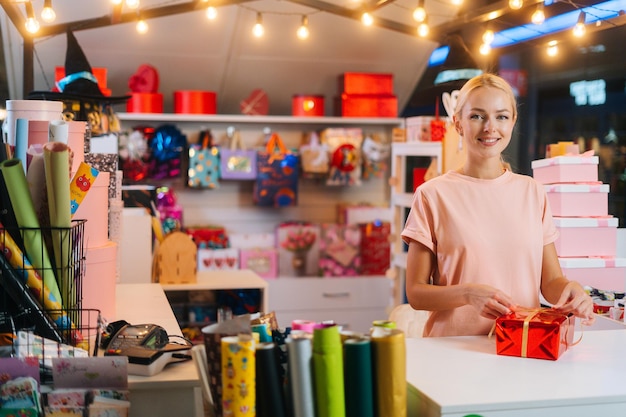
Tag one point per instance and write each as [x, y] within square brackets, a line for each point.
[488, 301]
[575, 300]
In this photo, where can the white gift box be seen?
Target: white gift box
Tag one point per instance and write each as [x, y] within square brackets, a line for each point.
[566, 169]
[218, 259]
[578, 200]
[586, 236]
[607, 274]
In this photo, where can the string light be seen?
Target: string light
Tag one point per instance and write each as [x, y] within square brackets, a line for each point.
[142, 25]
[488, 36]
[516, 4]
[116, 2]
[258, 29]
[132, 4]
[553, 48]
[423, 28]
[457, 2]
[47, 13]
[32, 24]
[367, 19]
[579, 30]
[303, 30]
[485, 49]
[419, 14]
[211, 13]
[538, 16]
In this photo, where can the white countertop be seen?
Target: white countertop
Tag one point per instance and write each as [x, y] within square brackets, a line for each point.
[456, 376]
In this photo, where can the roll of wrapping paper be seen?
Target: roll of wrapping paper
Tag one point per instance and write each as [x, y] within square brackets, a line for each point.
[389, 359]
[36, 251]
[81, 183]
[21, 141]
[328, 372]
[58, 131]
[20, 294]
[263, 330]
[300, 351]
[304, 325]
[36, 178]
[270, 399]
[56, 167]
[238, 375]
[358, 381]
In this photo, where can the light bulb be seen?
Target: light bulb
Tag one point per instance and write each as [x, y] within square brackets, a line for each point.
[47, 13]
[579, 30]
[367, 19]
[116, 2]
[303, 30]
[132, 4]
[423, 29]
[258, 30]
[457, 2]
[516, 4]
[32, 25]
[211, 13]
[142, 26]
[488, 36]
[485, 49]
[552, 49]
[419, 14]
[538, 16]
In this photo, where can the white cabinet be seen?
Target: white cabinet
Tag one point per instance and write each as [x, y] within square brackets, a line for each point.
[353, 303]
[405, 157]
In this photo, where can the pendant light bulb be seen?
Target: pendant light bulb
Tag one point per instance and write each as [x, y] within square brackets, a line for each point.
[539, 15]
[142, 26]
[419, 14]
[553, 48]
[47, 13]
[516, 4]
[423, 29]
[303, 30]
[116, 2]
[132, 4]
[31, 24]
[488, 36]
[211, 13]
[367, 19]
[457, 2]
[579, 30]
[485, 49]
[258, 29]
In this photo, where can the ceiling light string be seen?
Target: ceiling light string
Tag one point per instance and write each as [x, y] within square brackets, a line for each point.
[48, 14]
[31, 24]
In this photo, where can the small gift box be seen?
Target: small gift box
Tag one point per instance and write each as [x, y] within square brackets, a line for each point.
[534, 333]
[263, 261]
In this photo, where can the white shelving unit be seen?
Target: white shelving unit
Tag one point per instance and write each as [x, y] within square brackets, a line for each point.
[401, 199]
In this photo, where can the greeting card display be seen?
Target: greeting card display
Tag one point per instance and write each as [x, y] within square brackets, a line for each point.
[298, 249]
[263, 261]
[375, 247]
[218, 259]
[340, 250]
[277, 175]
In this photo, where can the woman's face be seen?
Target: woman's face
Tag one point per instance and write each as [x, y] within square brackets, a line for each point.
[486, 122]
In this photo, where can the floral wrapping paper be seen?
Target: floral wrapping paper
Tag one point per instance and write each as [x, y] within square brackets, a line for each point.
[534, 333]
[340, 254]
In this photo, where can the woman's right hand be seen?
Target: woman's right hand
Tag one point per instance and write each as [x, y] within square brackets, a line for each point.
[489, 301]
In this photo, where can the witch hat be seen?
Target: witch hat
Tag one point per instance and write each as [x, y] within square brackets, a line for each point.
[79, 82]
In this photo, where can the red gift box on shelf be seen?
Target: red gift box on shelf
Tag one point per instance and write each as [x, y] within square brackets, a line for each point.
[366, 83]
[145, 103]
[366, 105]
[534, 333]
[302, 105]
[195, 102]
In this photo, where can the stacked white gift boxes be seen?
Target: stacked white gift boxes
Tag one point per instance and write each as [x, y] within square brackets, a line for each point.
[587, 243]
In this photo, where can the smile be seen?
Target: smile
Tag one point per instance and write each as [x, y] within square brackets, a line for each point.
[488, 141]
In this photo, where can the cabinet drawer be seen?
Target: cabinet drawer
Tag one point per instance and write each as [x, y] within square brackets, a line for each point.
[329, 293]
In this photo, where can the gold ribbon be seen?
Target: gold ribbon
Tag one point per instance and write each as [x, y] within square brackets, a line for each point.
[527, 321]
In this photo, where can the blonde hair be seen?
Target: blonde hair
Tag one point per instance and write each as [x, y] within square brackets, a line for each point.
[484, 80]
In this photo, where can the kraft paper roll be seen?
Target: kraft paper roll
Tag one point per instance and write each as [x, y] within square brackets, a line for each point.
[21, 141]
[22, 204]
[238, 375]
[270, 400]
[328, 372]
[59, 131]
[358, 380]
[389, 359]
[300, 351]
[20, 294]
[56, 167]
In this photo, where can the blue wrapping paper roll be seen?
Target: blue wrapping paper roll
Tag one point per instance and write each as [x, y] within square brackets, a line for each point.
[358, 378]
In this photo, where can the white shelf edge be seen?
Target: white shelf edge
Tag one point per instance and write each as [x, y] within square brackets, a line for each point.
[402, 199]
[244, 119]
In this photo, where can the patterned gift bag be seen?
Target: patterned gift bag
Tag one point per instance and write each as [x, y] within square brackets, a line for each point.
[277, 175]
[236, 162]
[204, 163]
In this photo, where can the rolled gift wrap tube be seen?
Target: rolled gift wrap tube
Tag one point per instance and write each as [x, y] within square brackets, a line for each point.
[328, 372]
[389, 367]
[80, 185]
[238, 375]
[59, 131]
[300, 351]
[36, 250]
[21, 141]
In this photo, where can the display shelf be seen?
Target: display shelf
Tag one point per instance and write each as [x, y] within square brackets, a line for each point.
[404, 156]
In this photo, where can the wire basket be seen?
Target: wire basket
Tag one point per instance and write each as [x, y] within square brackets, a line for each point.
[41, 276]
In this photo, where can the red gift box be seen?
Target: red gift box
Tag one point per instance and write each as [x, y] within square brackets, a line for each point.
[375, 248]
[366, 105]
[145, 103]
[302, 105]
[195, 102]
[534, 333]
[365, 83]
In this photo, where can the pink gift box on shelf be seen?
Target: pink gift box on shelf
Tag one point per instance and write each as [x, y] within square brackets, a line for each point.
[607, 274]
[586, 236]
[578, 200]
[263, 261]
[566, 169]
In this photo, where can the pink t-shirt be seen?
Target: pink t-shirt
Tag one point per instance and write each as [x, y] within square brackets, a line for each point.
[482, 231]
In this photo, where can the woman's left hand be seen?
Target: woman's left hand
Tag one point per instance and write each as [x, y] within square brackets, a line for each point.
[575, 300]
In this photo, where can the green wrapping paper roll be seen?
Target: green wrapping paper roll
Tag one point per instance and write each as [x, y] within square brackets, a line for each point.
[300, 351]
[389, 364]
[328, 372]
[358, 378]
[238, 376]
[17, 187]
[270, 400]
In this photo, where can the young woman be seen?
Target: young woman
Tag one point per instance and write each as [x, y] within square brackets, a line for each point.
[481, 238]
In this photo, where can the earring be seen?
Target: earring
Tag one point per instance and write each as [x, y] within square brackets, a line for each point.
[460, 147]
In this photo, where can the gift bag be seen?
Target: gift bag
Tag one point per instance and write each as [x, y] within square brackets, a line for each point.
[236, 162]
[314, 157]
[204, 163]
[277, 175]
[344, 146]
[375, 247]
